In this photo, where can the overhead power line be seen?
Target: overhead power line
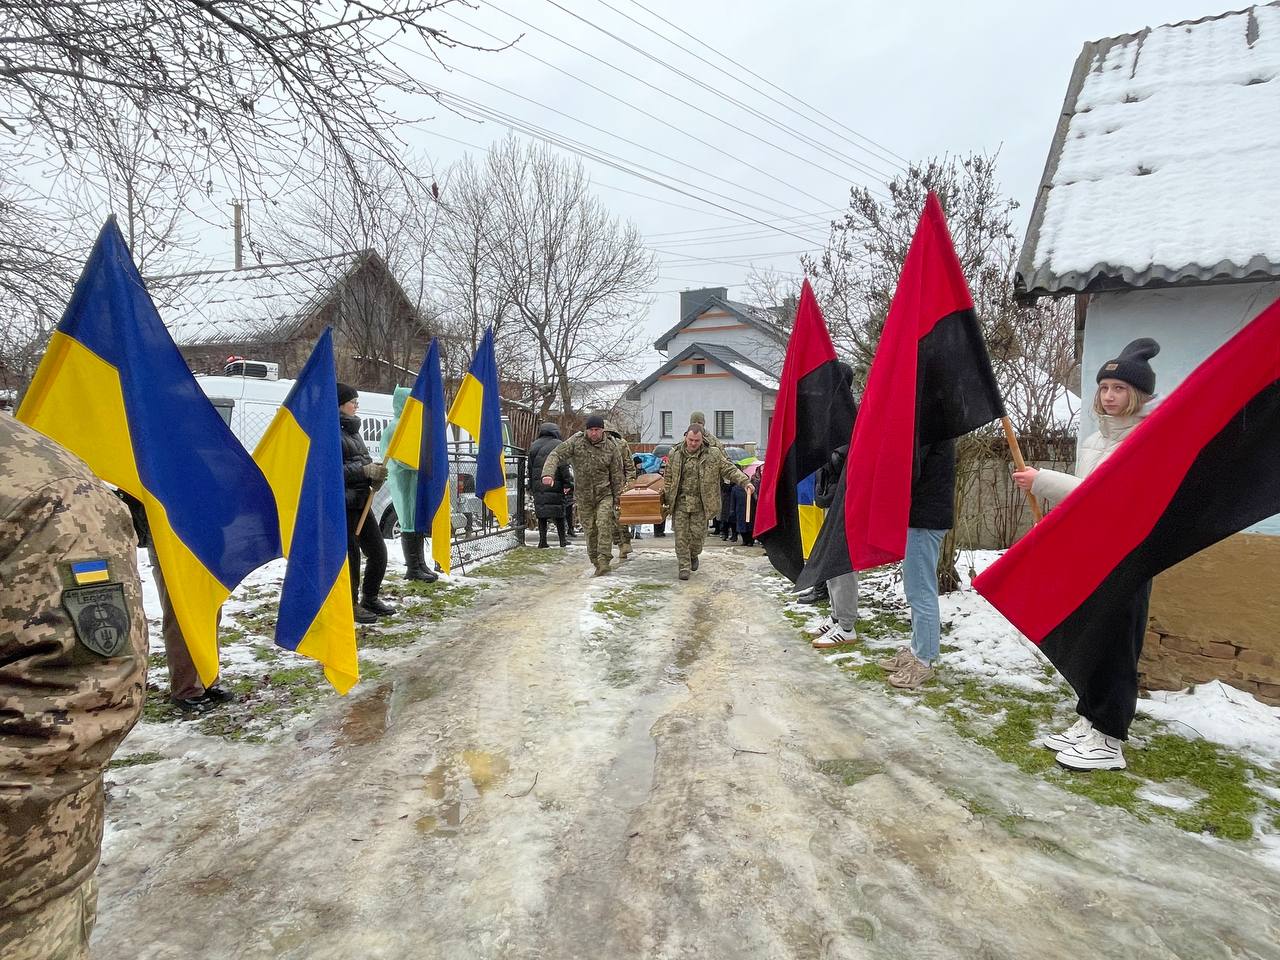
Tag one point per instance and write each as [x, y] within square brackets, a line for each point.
[715, 91]
[897, 161]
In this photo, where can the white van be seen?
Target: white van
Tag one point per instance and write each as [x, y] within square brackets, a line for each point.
[248, 404]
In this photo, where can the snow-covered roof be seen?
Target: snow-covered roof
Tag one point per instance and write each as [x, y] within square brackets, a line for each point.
[599, 394]
[726, 357]
[265, 303]
[1163, 167]
[758, 317]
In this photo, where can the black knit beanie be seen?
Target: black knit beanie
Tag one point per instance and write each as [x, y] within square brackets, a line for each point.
[346, 393]
[1132, 366]
[595, 420]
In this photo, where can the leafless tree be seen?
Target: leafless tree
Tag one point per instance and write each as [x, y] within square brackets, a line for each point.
[397, 222]
[223, 86]
[548, 255]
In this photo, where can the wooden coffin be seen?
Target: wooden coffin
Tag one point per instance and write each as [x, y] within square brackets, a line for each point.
[641, 500]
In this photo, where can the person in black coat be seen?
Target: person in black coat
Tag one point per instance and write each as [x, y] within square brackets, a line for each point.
[549, 503]
[361, 477]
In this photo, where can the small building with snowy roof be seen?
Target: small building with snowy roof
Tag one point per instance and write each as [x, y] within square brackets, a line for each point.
[1157, 210]
[724, 358]
[276, 312]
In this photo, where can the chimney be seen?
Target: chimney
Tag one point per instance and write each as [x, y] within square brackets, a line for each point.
[239, 234]
[690, 299]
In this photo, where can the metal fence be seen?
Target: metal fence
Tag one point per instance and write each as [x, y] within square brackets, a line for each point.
[477, 534]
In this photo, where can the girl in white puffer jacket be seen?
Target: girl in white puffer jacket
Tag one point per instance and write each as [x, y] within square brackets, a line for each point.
[1126, 386]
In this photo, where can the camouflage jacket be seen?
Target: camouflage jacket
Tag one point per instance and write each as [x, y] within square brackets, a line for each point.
[708, 468]
[597, 467]
[73, 655]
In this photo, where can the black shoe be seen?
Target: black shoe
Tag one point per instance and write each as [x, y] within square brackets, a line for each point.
[733, 538]
[693, 563]
[374, 605]
[815, 596]
[364, 616]
[422, 575]
[216, 694]
[191, 705]
[542, 544]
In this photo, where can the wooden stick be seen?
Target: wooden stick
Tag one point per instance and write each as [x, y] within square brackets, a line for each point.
[1018, 462]
[367, 504]
[748, 504]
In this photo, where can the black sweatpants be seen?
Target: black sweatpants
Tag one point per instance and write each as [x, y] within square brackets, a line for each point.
[375, 551]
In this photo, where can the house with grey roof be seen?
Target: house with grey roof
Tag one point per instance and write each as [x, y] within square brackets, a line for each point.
[1157, 210]
[723, 358]
[275, 312]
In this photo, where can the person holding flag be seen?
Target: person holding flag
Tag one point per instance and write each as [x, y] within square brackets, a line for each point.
[404, 491]
[1126, 386]
[416, 450]
[361, 477]
[929, 383]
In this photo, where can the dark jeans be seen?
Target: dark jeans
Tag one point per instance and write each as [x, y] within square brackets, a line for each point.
[375, 551]
[542, 528]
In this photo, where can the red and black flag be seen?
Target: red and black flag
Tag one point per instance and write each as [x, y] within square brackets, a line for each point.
[930, 381]
[813, 415]
[1204, 464]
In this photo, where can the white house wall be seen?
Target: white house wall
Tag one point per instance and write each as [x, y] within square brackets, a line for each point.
[685, 395]
[1188, 323]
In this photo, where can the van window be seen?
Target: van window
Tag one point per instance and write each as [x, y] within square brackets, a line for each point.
[224, 406]
[371, 428]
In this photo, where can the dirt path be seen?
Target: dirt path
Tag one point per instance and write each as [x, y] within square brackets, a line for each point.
[705, 787]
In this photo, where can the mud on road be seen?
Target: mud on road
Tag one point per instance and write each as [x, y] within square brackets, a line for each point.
[550, 780]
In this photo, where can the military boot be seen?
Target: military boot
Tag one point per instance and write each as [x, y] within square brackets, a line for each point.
[602, 567]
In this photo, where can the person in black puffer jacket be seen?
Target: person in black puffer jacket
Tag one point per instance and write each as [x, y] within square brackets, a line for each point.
[549, 502]
[361, 476]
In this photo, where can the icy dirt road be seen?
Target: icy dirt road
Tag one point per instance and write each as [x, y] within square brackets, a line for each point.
[697, 783]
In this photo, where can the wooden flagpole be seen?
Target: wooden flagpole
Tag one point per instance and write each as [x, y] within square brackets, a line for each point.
[1018, 462]
[364, 513]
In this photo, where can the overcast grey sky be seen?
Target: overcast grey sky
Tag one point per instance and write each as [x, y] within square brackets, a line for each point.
[918, 78]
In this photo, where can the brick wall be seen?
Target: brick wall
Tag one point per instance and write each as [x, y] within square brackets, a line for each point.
[1216, 616]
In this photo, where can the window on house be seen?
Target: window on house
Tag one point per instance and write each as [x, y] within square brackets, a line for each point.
[724, 424]
[667, 424]
[699, 368]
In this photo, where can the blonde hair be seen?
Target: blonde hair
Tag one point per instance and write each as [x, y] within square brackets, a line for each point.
[1137, 400]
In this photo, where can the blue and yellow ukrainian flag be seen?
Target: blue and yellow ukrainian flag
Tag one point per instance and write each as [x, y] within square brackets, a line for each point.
[476, 410]
[301, 456]
[113, 389]
[421, 444]
[811, 515]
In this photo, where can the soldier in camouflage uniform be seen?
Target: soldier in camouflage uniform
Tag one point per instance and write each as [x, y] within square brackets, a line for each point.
[598, 479]
[691, 492]
[622, 532]
[73, 654]
[708, 437]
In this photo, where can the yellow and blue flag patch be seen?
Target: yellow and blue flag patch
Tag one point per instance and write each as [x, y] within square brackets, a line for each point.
[477, 410]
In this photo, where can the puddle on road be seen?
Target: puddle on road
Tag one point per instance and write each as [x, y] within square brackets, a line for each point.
[368, 719]
[449, 786]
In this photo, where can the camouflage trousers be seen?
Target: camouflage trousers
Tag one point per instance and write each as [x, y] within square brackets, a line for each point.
[691, 532]
[597, 524]
[57, 931]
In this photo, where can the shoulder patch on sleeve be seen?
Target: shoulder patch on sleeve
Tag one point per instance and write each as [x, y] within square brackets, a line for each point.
[100, 616]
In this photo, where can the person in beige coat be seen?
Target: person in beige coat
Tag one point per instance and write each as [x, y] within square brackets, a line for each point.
[1126, 386]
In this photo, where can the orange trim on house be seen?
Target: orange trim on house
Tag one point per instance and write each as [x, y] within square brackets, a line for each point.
[694, 376]
[725, 326]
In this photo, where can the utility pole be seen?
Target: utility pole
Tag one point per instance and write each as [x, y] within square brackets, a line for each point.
[238, 222]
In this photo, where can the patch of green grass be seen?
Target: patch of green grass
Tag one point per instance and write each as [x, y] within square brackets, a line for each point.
[1232, 802]
[795, 618]
[157, 661]
[517, 563]
[630, 603]
[435, 605]
[947, 648]
[135, 760]
[849, 772]
[230, 634]
[265, 654]
[883, 624]
[867, 671]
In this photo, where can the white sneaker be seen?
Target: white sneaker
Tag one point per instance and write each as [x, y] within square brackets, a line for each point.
[1069, 737]
[1096, 751]
[834, 636]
